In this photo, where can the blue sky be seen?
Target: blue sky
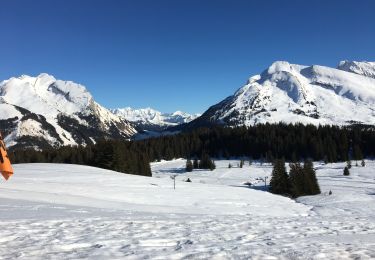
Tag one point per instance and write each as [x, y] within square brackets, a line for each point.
[176, 55]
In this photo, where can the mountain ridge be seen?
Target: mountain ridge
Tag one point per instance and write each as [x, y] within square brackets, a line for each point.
[42, 112]
[293, 93]
[148, 119]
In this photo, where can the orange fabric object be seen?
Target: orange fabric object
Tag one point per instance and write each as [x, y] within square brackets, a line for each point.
[5, 166]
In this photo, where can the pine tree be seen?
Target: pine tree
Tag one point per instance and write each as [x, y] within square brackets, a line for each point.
[363, 164]
[280, 183]
[303, 179]
[349, 164]
[206, 162]
[346, 171]
[297, 180]
[104, 155]
[189, 165]
[229, 165]
[118, 164]
[241, 163]
[309, 172]
[212, 165]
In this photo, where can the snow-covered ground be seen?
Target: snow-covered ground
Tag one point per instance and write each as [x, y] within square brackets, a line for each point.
[51, 211]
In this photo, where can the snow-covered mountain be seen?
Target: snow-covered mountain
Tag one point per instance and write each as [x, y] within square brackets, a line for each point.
[153, 120]
[42, 112]
[363, 68]
[294, 93]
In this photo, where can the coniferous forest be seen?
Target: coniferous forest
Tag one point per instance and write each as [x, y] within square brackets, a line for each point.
[119, 156]
[267, 142]
[264, 142]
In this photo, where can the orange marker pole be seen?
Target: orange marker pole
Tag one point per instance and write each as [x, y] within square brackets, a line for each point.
[5, 166]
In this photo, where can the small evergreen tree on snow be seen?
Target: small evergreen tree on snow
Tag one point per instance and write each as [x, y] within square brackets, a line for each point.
[363, 164]
[280, 183]
[212, 165]
[349, 164]
[206, 162]
[241, 163]
[310, 175]
[229, 165]
[297, 180]
[189, 166]
[303, 179]
[346, 171]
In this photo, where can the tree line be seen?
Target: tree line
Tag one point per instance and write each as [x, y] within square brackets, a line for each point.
[114, 155]
[266, 142]
[263, 142]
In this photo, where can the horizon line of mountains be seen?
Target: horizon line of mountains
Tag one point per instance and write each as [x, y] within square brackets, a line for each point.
[43, 112]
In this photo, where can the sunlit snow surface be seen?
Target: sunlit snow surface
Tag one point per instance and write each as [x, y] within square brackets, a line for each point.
[50, 211]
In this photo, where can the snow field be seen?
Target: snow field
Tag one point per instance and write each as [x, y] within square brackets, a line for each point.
[173, 237]
[66, 211]
[89, 186]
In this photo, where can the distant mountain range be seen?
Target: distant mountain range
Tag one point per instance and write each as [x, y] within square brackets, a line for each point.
[42, 112]
[148, 119]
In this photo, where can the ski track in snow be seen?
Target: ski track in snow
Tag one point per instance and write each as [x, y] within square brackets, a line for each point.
[340, 226]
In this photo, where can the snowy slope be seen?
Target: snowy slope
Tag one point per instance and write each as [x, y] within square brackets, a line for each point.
[153, 120]
[300, 94]
[43, 111]
[363, 68]
[88, 186]
[56, 211]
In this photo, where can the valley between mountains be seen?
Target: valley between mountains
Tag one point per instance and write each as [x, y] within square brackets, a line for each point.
[44, 112]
